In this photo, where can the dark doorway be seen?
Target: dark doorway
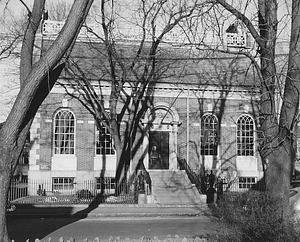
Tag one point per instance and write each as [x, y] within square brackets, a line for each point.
[159, 150]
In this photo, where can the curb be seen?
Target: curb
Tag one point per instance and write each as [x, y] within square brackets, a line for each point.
[106, 216]
[106, 211]
[82, 205]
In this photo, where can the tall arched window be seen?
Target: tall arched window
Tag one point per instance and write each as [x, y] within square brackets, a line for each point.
[245, 136]
[209, 134]
[64, 132]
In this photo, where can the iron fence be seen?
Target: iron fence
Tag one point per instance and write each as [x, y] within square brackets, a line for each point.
[69, 191]
[237, 186]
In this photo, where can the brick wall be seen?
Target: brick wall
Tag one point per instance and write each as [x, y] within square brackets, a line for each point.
[189, 106]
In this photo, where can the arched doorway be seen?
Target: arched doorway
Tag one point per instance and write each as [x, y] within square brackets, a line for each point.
[159, 150]
[160, 140]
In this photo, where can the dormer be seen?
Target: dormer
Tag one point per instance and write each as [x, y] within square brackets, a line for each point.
[237, 36]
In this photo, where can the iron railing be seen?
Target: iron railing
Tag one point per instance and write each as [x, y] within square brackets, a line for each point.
[71, 192]
[237, 186]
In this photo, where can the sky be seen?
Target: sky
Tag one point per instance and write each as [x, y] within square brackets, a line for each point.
[14, 7]
[9, 80]
[9, 77]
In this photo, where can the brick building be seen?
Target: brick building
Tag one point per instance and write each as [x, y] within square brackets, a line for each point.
[205, 113]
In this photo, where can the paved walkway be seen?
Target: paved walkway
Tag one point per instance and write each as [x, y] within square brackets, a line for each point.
[84, 210]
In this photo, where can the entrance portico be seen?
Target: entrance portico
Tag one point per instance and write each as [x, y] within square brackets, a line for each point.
[160, 138]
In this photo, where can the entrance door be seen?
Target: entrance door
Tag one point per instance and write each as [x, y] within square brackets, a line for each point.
[159, 150]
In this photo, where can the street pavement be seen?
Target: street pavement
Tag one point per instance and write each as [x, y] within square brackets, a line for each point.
[132, 221]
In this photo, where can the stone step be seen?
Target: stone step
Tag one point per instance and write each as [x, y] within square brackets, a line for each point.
[175, 198]
[182, 193]
[177, 202]
[173, 187]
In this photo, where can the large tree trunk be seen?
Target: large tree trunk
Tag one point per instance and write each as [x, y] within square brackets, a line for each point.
[268, 118]
[280, 161]
[4, 185]
[276, 131]
[34, 88]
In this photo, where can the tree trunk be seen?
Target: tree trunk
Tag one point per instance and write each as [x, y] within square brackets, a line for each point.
[33, 90]
[4, 186]
[276, 147]
[128, 145]
[268, 118]
[27, 48]
[279, 170]
[277, 136]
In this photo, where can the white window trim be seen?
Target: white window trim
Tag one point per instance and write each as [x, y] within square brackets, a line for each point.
[95, 146]
[218, 146]
[254, 136]
[53, 134]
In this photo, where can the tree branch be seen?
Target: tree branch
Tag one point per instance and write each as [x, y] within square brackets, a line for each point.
[245, 20]
[29, 91]
[29, 38]
[27, 8]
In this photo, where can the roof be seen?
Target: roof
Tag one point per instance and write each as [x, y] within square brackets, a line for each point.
[174, 65]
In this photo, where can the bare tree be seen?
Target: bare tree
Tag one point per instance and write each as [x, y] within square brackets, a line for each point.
[131, 72]
[11, 34]
[57, 10]
[277, 130]
[35, 84]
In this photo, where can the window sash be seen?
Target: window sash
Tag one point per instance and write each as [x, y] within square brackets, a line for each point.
[245, 136]
[104, 144]
[209, 135]
[107, 183]
[63, 183]
[246, 182]
[64, 133]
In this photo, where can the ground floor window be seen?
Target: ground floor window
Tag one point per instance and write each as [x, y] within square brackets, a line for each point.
[247, 182]
[104, 142]
[106, 183]
[63, 183]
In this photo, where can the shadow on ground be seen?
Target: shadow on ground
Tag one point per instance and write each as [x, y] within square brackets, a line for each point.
[31, 222]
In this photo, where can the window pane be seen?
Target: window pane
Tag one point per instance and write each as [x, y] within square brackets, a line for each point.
[63, 183]
[209, 135]
[247, 182]
[64, 132]
[104, 144]
[245, 136]
[105, 183]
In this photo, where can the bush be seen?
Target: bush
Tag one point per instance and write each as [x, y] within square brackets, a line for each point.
[255, 216]
[84, 194]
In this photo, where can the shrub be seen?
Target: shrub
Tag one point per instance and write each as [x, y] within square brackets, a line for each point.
[255, 216]
[84, 194]
[228, 233]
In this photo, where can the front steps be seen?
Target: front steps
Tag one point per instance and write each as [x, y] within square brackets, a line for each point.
[173, 187]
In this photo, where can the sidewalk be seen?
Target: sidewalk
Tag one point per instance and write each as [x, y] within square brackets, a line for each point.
[109, 211]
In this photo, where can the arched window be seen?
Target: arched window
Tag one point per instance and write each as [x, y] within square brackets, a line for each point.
[209, 134]
[245, 136]
[64, 132]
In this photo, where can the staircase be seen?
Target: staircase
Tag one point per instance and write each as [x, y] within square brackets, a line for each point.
[173, 187]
